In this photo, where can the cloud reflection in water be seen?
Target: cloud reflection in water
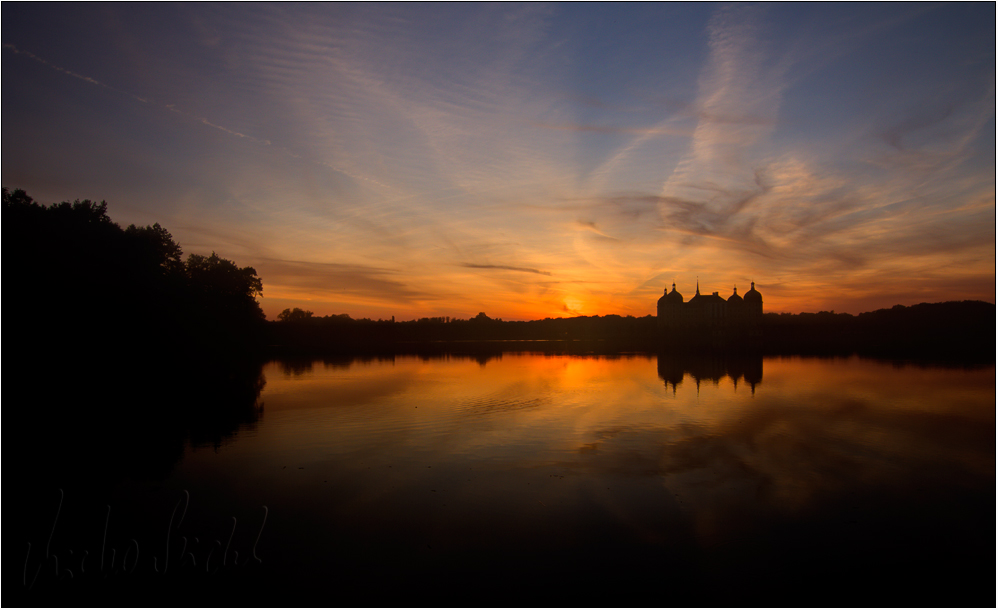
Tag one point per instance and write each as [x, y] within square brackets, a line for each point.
[600, 469]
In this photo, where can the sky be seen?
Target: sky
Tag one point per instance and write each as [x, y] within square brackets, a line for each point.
[526, 161]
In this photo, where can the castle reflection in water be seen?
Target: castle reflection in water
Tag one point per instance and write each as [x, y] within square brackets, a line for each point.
[745, 368]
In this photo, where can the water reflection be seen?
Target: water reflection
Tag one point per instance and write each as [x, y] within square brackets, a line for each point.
[673, 368]
[417, 480]
[91, 429]
[89, 480]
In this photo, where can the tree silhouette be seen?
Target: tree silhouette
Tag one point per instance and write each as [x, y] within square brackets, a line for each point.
[129, 292]
[220, 279]
[222, 312]
[294, 315]
[124, 348]
[154, 246]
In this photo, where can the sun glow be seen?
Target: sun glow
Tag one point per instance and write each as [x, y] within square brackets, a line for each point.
[574, 306]
[366, 172]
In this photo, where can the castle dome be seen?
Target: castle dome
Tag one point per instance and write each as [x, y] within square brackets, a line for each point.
[674, 296]
[734, 298]
[753, 296]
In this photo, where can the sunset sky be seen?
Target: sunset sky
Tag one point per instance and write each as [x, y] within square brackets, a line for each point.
[527, 161]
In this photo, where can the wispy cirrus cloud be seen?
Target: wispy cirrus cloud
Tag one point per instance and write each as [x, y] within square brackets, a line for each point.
[82, 77]
[610, 129]
[460, 158]
[739, 80]
[506, 268]
[345, 282]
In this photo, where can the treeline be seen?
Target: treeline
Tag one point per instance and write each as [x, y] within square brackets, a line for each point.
[297, 329]
[117, 344]
[942, 331]
[954, 330]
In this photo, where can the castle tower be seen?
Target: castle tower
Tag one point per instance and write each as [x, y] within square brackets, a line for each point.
[753, 302]
[753, 313]
[670, 309]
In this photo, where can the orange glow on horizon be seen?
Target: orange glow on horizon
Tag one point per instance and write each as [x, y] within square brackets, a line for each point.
[811, 297]
[365, 173]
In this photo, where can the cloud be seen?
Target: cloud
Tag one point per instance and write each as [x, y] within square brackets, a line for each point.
[895, 133]
[591, 226]
[336, 279]
[662, 130]
[229, 131]
[692, 110]
[372, 107]
[200, 119]
[775, 456]
[170, 107]
[740, 91]
[505, 267]
[414, 147]
[87, 79]
[643, 217]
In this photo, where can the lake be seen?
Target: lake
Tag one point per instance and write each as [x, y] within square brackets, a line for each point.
[532, 479]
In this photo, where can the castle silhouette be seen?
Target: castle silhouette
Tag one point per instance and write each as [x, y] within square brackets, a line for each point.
[711, 317]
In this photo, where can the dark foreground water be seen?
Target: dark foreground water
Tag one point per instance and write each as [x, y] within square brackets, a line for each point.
[532, 480]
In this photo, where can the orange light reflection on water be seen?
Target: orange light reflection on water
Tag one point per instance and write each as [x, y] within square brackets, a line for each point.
[533, 451]
[540, 408]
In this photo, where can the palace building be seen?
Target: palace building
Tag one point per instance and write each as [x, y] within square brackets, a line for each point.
[711, 316]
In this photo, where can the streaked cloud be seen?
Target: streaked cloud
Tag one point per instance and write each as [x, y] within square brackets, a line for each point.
[506, 267]
[82, 77]
[340, 280]
[662, 131]
[525, 160]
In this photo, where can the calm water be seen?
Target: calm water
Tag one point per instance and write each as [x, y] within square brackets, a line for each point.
[566, 480]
